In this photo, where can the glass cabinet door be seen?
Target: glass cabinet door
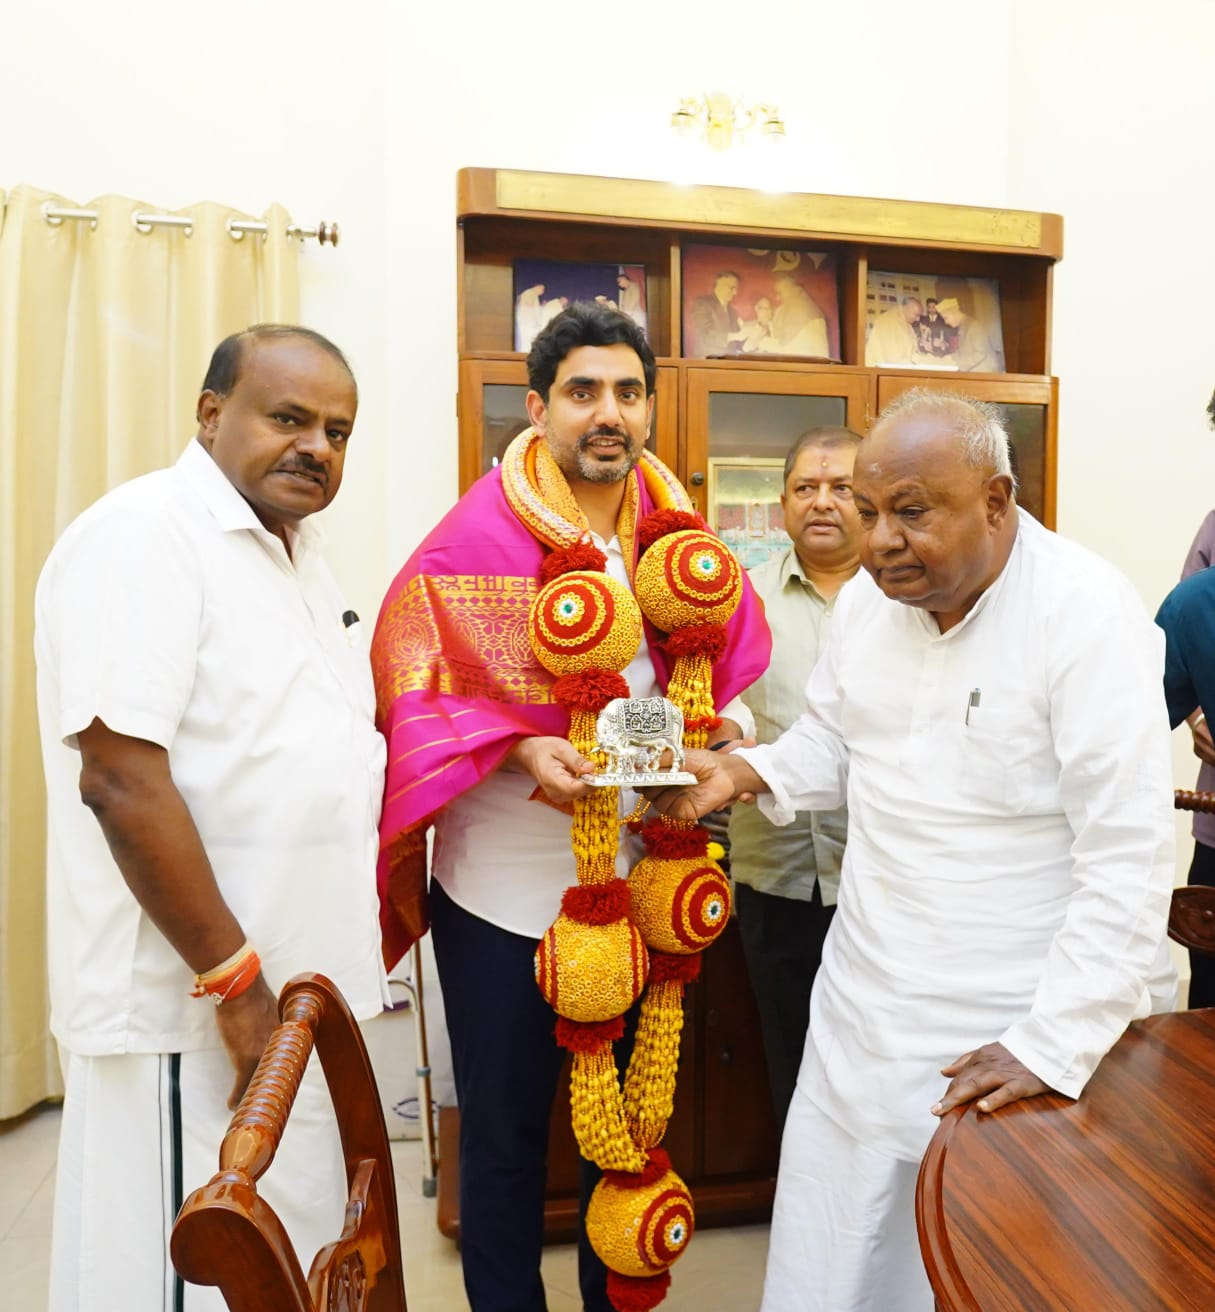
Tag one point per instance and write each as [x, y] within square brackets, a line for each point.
[740, 427]
[1028, 408]
[492, 412]
[493, 396]
[503, 418]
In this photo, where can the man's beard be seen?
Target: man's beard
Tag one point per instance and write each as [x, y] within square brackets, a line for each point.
[591, 470]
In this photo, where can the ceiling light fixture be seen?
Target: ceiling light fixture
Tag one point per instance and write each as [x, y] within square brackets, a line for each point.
[721, 121]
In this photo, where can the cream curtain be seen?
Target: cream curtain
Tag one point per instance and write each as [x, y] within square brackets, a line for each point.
[105, 334]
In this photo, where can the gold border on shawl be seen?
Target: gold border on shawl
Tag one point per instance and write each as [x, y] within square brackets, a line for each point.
[461, 635]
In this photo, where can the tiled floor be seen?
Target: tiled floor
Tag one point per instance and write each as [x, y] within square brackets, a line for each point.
[722, 1270]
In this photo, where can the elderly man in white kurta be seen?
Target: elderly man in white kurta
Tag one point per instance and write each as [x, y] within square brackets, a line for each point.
[990, 706]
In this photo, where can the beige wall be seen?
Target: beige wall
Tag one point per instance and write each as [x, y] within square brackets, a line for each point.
[1093, 108]
[244, 104]
[1110, 115]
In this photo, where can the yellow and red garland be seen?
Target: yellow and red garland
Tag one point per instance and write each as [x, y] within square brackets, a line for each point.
[617, 940]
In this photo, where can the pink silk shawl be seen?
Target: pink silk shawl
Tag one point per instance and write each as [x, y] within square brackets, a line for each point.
[457, 684]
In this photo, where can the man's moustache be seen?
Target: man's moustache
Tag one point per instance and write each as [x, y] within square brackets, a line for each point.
[299, 467]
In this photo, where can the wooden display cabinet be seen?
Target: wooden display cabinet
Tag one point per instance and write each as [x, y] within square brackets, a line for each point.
[506, 215]
[748, 408]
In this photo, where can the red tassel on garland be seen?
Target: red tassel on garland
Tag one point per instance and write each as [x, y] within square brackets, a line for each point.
[587, 1036]
[658, 523]
[671, 965]
[597, 904]
[697, 640]
[637, 1293]
[589, 690]
[709, 722]
[665, 840]
[565, 560]
[658, 1165]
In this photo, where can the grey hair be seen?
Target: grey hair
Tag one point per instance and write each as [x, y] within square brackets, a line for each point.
[976, 424]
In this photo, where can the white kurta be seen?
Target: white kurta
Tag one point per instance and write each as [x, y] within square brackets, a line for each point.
[1007, 876]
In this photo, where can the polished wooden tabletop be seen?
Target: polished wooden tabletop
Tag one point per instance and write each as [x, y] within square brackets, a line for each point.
[1102, 1204]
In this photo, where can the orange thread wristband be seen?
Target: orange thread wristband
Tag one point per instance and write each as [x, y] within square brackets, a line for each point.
[230, 978]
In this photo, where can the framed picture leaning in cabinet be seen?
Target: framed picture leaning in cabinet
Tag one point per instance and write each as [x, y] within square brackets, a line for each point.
[744, 506]
[743, 301]
[543, 288]
[933, 321]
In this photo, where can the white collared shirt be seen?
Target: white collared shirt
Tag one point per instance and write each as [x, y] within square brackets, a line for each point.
[170, 613]
[1008, 871]
[788, 860]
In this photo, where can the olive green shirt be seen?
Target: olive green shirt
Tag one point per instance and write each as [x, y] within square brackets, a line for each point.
[786, 860]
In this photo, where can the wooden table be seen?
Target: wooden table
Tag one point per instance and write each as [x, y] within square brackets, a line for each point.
[1106, 1204]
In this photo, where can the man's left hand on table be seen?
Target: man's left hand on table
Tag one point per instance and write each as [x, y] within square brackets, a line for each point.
[991, 1074]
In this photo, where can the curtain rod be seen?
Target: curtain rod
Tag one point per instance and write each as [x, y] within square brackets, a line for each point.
[326, 234]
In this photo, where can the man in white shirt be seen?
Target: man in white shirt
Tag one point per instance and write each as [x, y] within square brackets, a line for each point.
[990, 704]
[786, 877]
[202, 690]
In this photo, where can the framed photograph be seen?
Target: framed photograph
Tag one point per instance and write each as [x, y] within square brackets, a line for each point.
[931, 321]
[744, 506]
[745, 302]
[543, 288]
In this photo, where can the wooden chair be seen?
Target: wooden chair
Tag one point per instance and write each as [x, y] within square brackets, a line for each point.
[1192, 912]
[226, 1235]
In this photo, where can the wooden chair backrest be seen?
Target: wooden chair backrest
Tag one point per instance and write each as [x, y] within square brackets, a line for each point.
[1192, 912]
[227, 1235]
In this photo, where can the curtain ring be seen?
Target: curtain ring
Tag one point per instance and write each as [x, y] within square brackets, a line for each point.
[144, 223]
[56, 214]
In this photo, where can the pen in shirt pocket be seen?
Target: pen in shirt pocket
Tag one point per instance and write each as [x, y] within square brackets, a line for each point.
[972, 702]
[354, 630]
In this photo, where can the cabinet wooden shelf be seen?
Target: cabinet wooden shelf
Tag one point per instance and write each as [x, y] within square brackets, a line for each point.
[506, 215]
[741, 411]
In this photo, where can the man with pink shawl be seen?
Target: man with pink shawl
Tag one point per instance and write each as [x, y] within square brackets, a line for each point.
[477, 748]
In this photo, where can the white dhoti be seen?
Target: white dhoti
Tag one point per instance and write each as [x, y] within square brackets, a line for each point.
[843, 1226]
[140, 1133]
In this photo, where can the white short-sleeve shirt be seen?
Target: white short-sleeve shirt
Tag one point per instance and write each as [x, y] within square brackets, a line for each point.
[170, 613]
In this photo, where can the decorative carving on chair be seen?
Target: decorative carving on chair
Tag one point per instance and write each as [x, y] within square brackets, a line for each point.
[227, 1235]
[1186, 800]
[255, 1130]
[348, 1284]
